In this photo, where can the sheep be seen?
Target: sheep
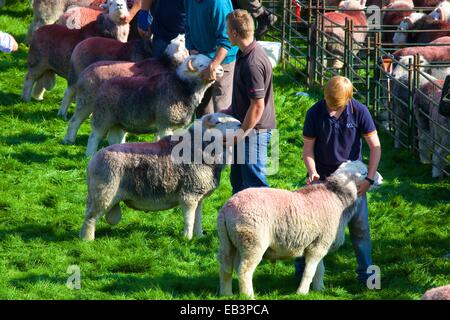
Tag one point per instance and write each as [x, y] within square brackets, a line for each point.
[148, 176]
[428, 23]
[442, 12]
[100, 49]
[439, 293]
[401, 92]
[398, 12]
[155, 104]
[334, 28]
[433, 128]
[76, 17]
[48, 11]
[274, 224]
[406, 23]
[430, 53]
[86, 87]
[52, 47]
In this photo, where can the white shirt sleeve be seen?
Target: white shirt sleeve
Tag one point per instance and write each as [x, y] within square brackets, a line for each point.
[6, 42]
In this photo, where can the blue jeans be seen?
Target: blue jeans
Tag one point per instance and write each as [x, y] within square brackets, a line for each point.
[360, 238]
[250, 171]
[158, 47]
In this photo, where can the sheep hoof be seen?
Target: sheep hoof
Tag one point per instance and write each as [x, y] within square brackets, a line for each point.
[67, 141]
[87, 235]
[62, 114]
[302, 291]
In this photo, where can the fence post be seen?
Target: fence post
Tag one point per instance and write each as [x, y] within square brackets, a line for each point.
[410, 100]
[368, 82]
[350, 50]
[283, 36]
[322, 45]
[376, 75]
[308, 46]
[346, 45]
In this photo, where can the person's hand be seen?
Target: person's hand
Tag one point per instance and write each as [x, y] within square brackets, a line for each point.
[313, 176]
[363, 187]
[212, 70]
[15, 46]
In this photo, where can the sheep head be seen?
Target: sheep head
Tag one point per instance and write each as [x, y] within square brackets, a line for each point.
[176, 50]
[442, 12]
[352, 4]
[195, 67]
[406, 24]
[357, 172]
[117, 10]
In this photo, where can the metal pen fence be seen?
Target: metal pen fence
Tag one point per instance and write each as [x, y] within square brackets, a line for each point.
[310, 54]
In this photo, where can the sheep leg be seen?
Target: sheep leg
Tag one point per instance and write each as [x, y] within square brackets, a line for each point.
[27, 88]
[114, 215]
[75, 122]
[189, 209]
[424, 154]
[438, 162]
[198, 231]
[317, 282]
[312, 260]
[38, 90]
[94, 140]
[116, 135]
[88, 228]
[68, 98]
[247, 267]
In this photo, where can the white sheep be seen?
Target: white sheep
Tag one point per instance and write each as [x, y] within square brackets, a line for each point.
[274, 224]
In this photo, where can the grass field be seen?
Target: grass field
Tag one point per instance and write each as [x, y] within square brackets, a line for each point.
[42, 200]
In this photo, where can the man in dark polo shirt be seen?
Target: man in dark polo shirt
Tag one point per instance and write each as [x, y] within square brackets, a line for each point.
[252, 104]
[332, 135]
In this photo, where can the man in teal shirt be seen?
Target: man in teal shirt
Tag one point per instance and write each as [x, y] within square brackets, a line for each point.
[206, 34]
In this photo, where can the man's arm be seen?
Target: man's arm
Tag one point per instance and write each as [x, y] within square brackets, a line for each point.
[374, 160]
[221, 53]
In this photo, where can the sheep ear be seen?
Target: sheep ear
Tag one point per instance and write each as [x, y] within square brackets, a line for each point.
[363, 3]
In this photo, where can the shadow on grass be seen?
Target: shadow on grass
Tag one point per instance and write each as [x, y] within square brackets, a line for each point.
[24, 138]
[33, 231]
[8, 99]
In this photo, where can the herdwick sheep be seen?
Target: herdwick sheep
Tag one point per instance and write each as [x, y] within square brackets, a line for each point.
[439, 293]
[334, 28]
[401, 9]
[442, 12]
[100, 49]
[430, 53]
[401, 37]
[400, 90]
[442, 29]
[52, 47]
[48, 12]
[77, 17]
[147, 177]
[274, 224]
[433, 128]
[87, 86]
[155, 104]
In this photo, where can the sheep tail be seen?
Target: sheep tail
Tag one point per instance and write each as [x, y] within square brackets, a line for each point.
[226, 250]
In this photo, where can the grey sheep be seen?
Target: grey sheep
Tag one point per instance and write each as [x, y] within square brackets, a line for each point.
[274, 224]
[148, 177]
[155, 104]
[52, 46]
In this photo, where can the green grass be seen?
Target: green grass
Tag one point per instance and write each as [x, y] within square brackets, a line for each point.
[43, 190]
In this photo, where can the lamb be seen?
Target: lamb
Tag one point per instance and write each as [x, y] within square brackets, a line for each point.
[428, 23]
[275, 224]
[406, 23]
[48, 11]
[433, 128]
[430, 53]
[334, 28]
[439, 293]
[147, 176]
[86, 87]
[100, 49]
[77, 17]
[52, 47]
[442, 12]
[155, 104]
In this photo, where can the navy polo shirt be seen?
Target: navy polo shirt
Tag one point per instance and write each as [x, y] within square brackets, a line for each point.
[169, 17]
[337, 140]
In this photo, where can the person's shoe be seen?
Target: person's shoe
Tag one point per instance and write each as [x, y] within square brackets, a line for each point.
[265, 21]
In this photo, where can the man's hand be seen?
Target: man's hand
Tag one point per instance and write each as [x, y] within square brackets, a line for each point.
[212, 70]
[363, 187]
[312, 177]
[143, 24]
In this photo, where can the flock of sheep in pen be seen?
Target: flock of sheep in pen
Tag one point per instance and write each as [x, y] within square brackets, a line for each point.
[397, 18]
[124, 89]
